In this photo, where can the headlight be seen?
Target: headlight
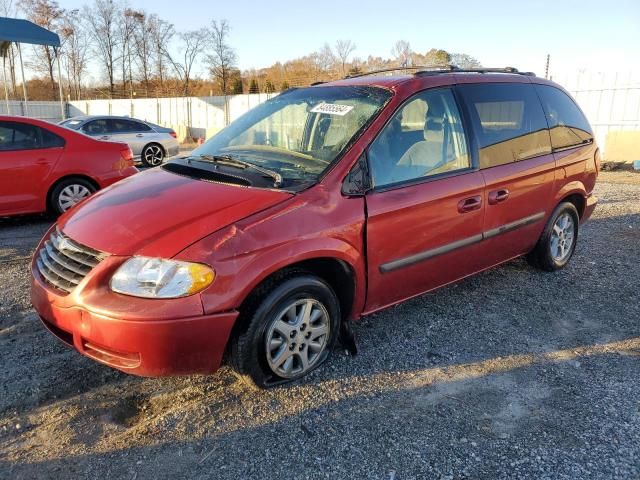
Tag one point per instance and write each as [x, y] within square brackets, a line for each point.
[159, 278]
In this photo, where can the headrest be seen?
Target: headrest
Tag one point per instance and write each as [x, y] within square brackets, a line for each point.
[434, 120]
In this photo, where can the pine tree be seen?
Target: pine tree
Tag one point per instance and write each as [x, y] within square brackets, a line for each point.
[284, 86]
[253, 86]
[269, 87]
[237, 88]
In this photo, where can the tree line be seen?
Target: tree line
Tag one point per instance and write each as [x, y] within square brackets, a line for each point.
[140, 54]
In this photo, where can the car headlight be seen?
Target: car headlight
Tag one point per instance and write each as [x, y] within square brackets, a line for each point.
[159, 278]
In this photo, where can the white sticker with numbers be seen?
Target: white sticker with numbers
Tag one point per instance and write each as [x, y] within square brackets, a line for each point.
[332, 109]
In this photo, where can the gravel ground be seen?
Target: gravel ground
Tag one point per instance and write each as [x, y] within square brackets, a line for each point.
[511, 374]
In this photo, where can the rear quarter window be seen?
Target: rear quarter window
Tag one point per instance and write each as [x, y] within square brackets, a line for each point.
[567, 124]
[508, 121]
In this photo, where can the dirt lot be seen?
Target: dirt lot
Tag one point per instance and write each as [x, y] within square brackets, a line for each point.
[511, 374]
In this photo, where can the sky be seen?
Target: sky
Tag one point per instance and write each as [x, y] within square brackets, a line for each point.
[588, 34]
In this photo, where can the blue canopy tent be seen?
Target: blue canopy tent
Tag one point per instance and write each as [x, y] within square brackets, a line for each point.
[17, 30]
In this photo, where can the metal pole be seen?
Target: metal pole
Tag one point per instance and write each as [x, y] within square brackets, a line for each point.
[4, 79]
[62, 109]
[24, 81]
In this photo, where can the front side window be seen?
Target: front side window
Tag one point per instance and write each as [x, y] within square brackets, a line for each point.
[19, 136]
[96, 127]
[508, 120]
[424, 138]
[300, 133]
[567, 124]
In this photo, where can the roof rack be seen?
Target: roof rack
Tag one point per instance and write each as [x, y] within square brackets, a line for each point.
[441, 69]
[394, 69]
[454, 69]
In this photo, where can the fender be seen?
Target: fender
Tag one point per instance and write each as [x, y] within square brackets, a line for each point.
[570, 188]
[238, 276]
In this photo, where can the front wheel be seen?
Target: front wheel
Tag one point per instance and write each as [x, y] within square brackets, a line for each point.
[290, 332]
[152, 155]
[558, 240]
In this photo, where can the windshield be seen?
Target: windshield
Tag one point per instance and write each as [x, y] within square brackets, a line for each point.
[72, 124]
[298, 134]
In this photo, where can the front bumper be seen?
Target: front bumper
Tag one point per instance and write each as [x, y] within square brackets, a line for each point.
[145, 346]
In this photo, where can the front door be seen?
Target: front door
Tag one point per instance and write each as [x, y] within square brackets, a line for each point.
[425, 213]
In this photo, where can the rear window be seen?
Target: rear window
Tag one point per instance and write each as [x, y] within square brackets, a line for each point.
[508, 121]
[567, 124]
[23, 136]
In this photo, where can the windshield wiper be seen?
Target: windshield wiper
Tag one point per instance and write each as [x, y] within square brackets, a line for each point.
[236, 162]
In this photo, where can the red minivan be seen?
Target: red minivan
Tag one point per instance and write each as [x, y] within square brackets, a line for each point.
[319, 206]
[47, 167]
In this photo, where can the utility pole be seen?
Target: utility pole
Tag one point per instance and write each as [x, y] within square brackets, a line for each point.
[546, 68]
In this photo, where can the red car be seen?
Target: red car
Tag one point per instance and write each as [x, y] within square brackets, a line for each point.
[47, 167]
[319, 206]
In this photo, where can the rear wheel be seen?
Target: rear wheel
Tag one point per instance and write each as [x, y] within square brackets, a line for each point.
[70, 192]
[152, 155]
[558, 240]
[290, 331]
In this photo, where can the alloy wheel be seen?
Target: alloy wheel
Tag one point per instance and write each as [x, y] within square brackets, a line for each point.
[562, 237]
[297, 338]
[153, 155]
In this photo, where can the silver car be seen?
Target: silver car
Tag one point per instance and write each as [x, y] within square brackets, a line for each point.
[150, 143]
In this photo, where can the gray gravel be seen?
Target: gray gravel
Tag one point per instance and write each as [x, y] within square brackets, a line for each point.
[511, 374]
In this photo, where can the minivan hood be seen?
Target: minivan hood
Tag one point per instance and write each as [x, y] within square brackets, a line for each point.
[158, 213]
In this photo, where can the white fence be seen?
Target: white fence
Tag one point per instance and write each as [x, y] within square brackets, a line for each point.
[611, 100]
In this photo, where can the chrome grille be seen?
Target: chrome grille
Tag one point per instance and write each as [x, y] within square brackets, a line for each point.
[63, 263]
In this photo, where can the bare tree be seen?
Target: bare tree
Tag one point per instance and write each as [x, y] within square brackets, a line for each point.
[401, 51]
[47, 14]
[161, 33]
[102, 21]
[223, 59]
[323, 61]
[463, 60]
[8, 9]
[143, 46]
[191, 47]
[344, 48]
[75, 51]
[126, 27]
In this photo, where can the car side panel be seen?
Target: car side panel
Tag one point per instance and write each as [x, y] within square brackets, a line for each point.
[315, 224]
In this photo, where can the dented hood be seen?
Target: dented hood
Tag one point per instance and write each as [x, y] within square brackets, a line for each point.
[158, 213]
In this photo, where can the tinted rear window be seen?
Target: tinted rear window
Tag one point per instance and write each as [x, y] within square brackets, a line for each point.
[508, 121]
[568, 125]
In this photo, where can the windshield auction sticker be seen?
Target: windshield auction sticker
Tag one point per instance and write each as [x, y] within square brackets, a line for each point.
[332, 109]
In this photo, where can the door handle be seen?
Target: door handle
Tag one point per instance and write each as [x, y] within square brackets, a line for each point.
[104, 137]
[498, 196]
[470, 204]
[140, 135]
[42, 161]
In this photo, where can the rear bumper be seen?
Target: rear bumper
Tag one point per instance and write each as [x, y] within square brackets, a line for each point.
[149, 347]
[590, 206]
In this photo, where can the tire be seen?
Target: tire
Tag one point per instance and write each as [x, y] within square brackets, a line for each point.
[558, 240]
[70, 192]
[263, 353]
[152, 155]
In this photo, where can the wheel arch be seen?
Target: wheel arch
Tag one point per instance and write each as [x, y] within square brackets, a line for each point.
[574, 193]
[70, 176]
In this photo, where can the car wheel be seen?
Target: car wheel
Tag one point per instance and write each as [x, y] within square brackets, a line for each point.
[152, 155]
[291, 331]
[69, 193]
[558, 240]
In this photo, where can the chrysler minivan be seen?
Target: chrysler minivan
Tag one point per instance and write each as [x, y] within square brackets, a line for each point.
[318, 206]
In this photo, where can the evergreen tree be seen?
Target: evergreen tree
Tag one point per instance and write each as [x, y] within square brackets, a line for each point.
[284, 86]
[253, 86]
[237, 88]
[269, 87]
